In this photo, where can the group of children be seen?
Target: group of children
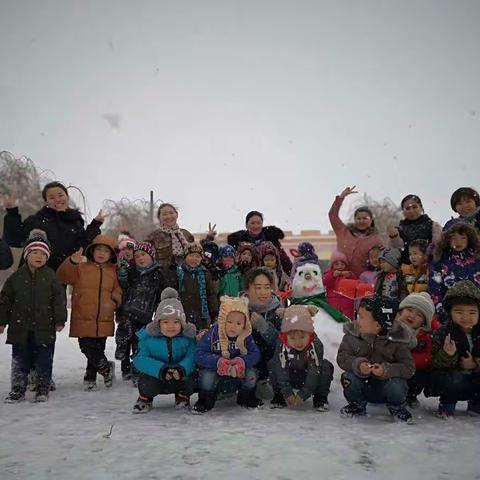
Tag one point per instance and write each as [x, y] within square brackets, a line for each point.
[214, 323]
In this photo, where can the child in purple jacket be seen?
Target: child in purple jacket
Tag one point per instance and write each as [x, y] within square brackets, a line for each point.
[226, 357]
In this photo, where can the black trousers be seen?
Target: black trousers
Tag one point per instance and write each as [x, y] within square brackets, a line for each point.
[126, 341]
[31, 357]
[94, 350]
[150, 387]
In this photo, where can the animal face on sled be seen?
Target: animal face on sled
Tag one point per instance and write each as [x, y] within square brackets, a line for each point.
[307, 281]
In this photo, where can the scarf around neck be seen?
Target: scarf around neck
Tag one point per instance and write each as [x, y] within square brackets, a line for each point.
[179, 242]
[262, 308]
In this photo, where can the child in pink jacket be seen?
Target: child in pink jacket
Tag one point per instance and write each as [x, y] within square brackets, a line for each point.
[338, 269]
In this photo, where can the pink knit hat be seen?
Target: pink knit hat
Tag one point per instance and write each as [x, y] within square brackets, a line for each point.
[338, 257]
[125, 241]
[297, 317]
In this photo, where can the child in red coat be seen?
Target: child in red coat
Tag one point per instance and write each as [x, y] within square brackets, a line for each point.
[416, 313]
[338, 269]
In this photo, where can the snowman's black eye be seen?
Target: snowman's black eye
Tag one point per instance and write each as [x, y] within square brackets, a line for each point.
[300, 274]
[315, 272]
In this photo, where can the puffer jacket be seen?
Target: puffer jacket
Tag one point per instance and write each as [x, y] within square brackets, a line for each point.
[391, 350]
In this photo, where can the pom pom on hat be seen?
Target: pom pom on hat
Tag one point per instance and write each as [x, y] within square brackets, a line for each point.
[37, 240]
[167, 293]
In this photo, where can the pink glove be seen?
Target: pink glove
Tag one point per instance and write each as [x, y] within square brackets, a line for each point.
[239, 366]
[223, 366]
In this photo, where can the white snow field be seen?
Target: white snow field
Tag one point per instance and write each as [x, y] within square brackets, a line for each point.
[67, 438]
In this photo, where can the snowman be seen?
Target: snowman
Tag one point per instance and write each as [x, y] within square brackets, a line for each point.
[308, 289]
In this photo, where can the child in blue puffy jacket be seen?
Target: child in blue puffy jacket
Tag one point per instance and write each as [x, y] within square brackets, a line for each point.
[165, 357]
[226, 357]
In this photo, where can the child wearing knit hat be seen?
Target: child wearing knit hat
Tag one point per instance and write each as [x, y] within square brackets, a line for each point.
[33, 306]
[247, 257]
[298, 362]
[390, 283]
[165, 356]
[196, 287]
[226, 357]
[231, 279]
[416, 313]
[126, 244]
[142, 282]
[269, 256]
[338, 270]
[376, 359]
[456, 352]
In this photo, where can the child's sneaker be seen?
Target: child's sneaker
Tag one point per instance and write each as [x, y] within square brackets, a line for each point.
[126, 376]
[401, 414]
[15, 396]
[108, 374]
[278, 401]
[353, 410]
[182, 400]
[89, 385]
[473, 408]
[41, 395]
[320, 403]
[142, 405]
[446, 411]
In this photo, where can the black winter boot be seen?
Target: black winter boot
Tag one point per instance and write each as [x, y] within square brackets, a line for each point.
[353, 410]
[205, 402]
[247, 399]
[278, 401]
[320, 403]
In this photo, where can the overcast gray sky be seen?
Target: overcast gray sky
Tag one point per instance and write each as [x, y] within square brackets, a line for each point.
[226, 106]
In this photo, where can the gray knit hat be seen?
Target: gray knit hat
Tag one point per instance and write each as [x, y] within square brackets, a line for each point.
[391, 256]
[423, 303]
[169, 308]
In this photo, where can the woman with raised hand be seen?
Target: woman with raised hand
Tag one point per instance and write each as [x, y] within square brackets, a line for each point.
[354, 240]
[64, 226]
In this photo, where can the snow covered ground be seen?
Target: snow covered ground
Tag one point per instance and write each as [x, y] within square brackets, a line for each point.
[66, 437]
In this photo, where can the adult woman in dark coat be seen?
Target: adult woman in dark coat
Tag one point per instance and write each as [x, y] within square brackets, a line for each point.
[64, 226]
[256, 233]
[416, 225]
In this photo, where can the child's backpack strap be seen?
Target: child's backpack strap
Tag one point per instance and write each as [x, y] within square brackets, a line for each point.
[283, 356]
[314, 355]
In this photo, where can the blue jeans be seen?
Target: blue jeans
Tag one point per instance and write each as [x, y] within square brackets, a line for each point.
[210, 381]
[31, 357]
[453, 386]
[393, 391]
